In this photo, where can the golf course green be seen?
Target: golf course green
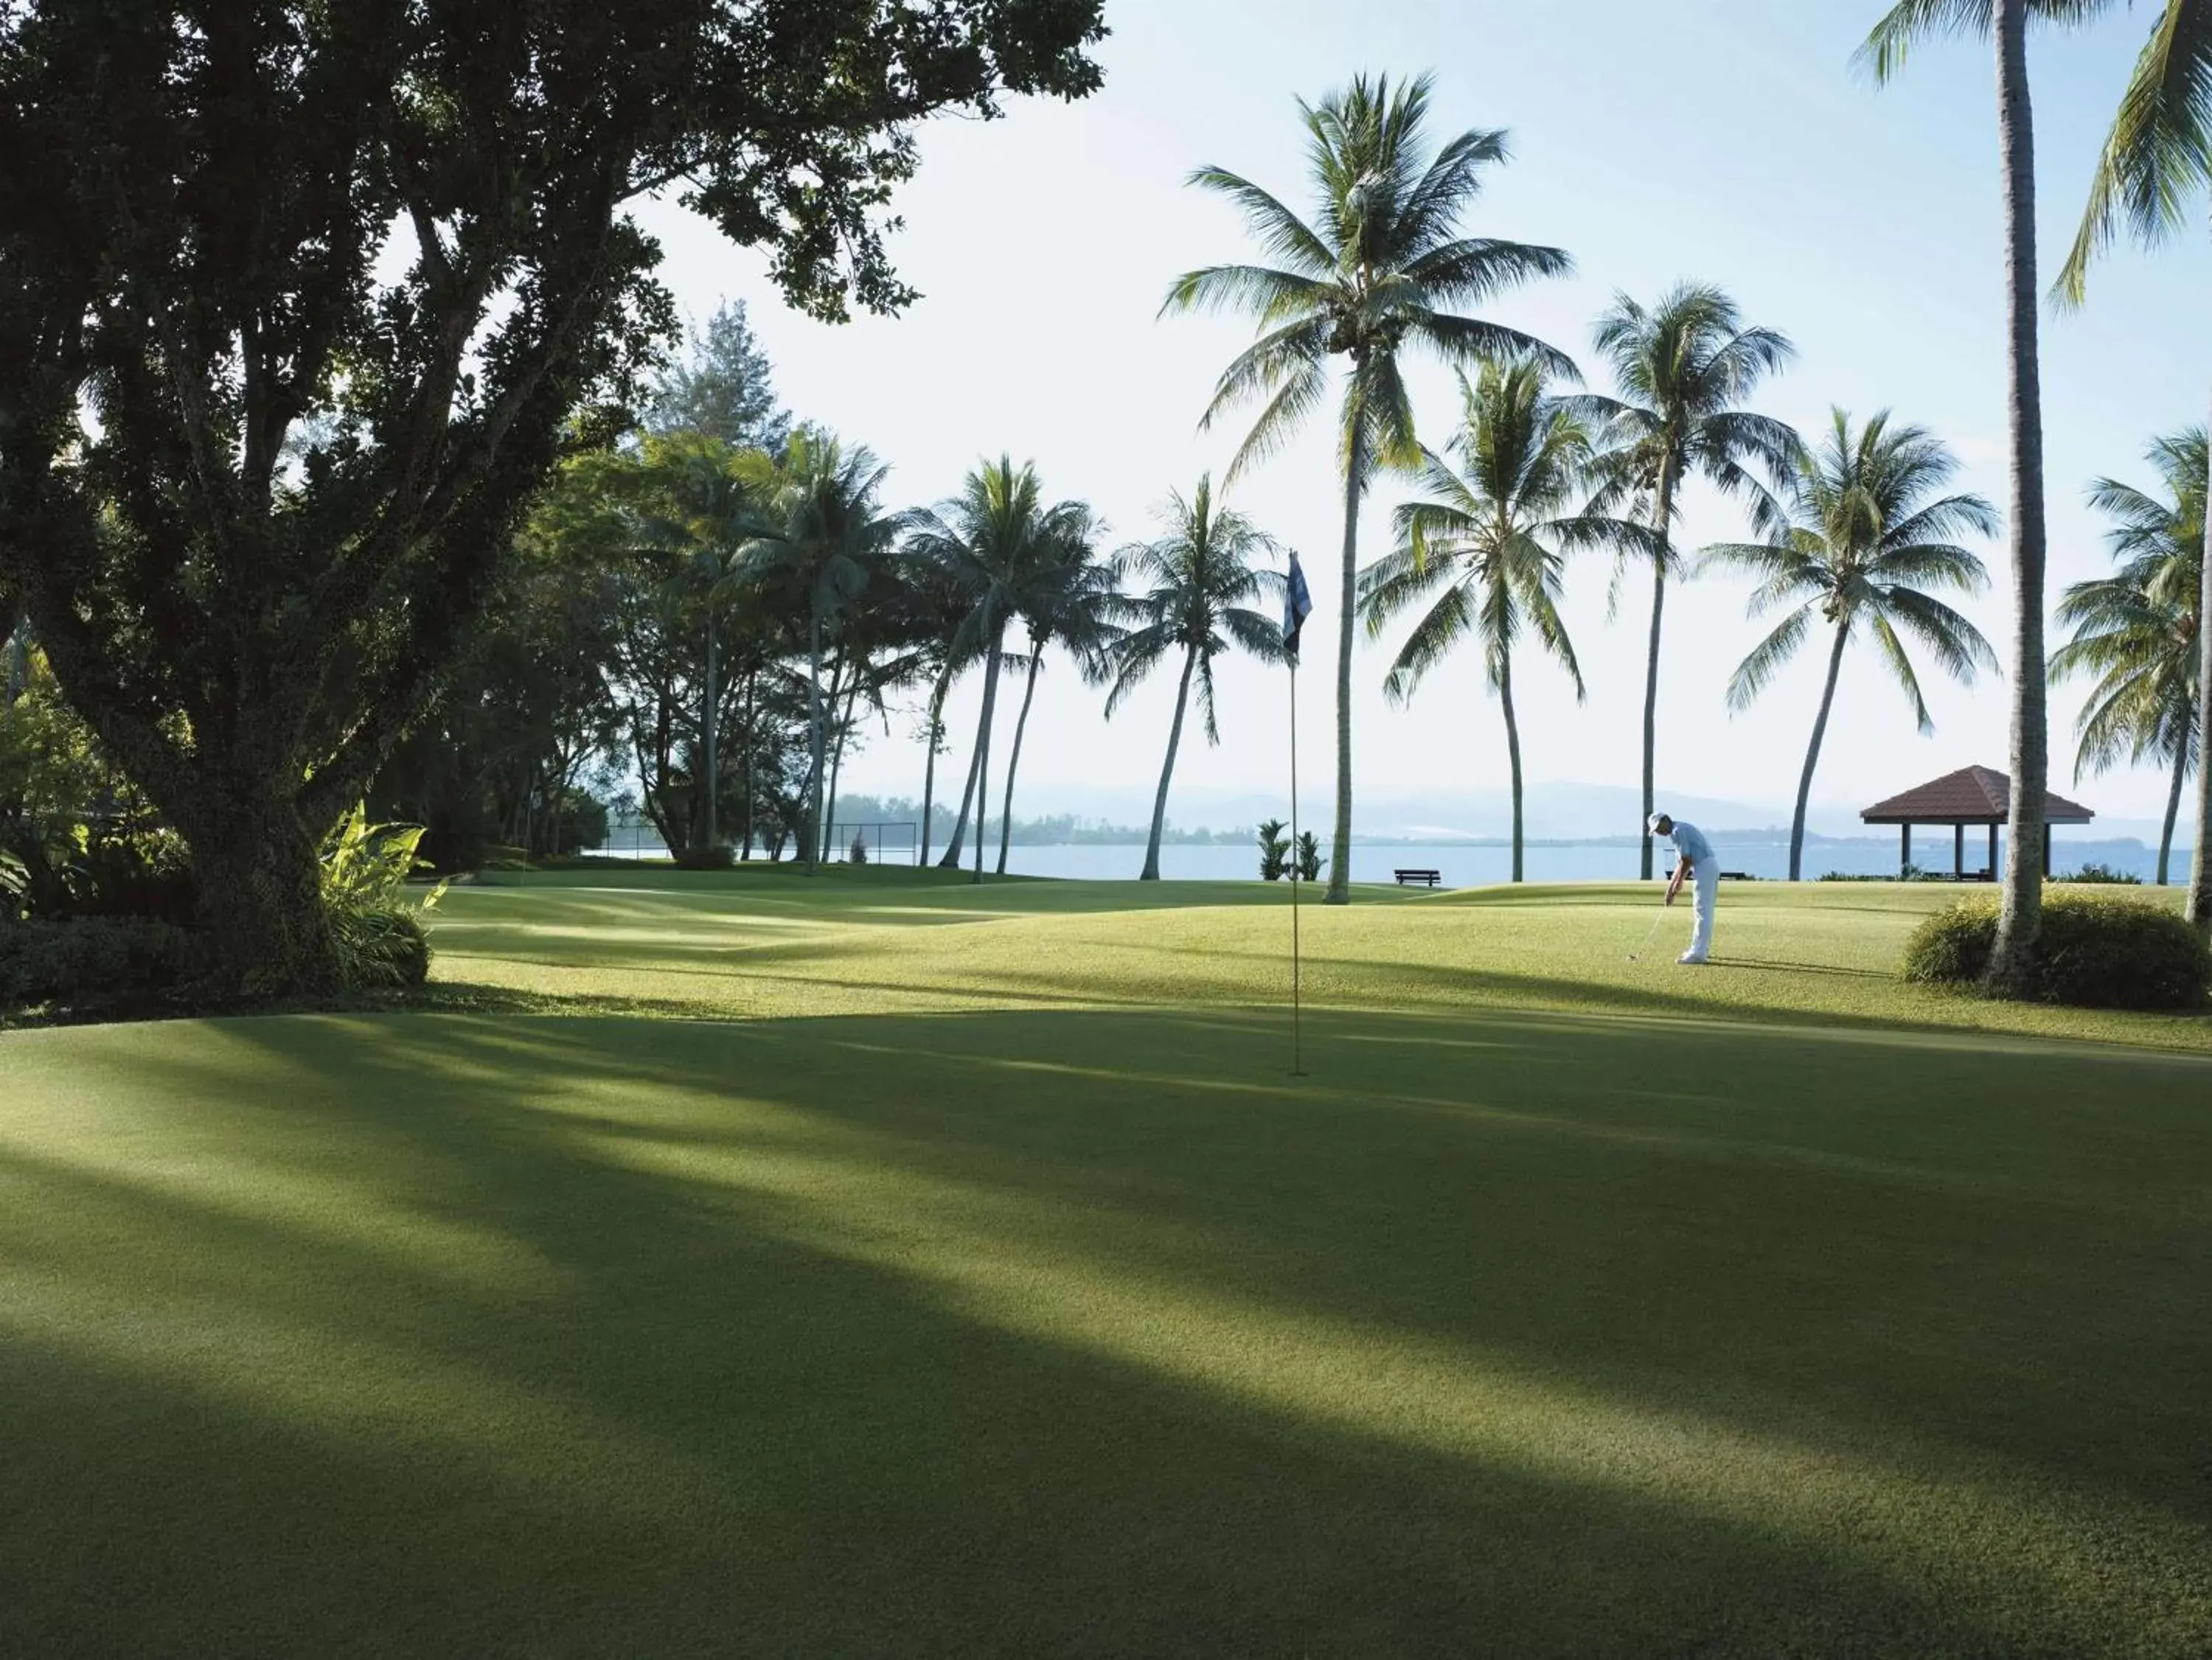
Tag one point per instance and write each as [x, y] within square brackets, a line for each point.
[882, 1264]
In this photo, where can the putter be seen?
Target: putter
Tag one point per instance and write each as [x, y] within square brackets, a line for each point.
[1637, 955]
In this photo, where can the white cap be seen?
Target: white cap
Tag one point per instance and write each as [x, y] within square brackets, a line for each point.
[1656, 820]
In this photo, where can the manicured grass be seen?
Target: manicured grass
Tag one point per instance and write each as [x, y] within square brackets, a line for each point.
[995, 1292]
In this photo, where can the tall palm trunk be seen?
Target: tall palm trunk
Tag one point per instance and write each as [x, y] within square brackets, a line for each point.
[958, 840]
[814, 720]
[1662, 522]
[1355, 464]
[1152, 871]
[1014, 760]
[936, 735]
[2015, 949]
[1512, 749]
[837, 766]
[2200, 853]
[707, 726]
[2173, 809]
[983, 746]
[1812, 752]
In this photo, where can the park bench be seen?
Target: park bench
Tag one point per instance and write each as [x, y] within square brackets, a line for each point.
[1420, 878]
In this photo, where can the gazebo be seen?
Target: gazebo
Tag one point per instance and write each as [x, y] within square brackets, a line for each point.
[1972, 795]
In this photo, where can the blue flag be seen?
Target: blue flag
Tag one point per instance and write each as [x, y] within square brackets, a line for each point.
[1297, 606]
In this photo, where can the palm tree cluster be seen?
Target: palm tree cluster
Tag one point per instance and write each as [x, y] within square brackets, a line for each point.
[1537, 470]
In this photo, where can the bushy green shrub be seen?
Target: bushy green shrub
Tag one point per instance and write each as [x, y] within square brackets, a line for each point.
[2094, 951]
[381, 948]
[375, 925]
[705, 858]
[86, 961]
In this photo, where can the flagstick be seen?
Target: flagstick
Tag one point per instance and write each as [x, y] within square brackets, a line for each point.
[1297, 880]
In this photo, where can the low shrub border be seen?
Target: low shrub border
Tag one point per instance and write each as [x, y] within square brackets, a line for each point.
[2094, 951]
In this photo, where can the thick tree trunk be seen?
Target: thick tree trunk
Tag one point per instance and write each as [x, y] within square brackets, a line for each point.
[936, 736]
[1512, 752]
[1813, 754]
[1152, 871]
[1355, 466]
[1014, 759]
[1662, 522]
[2199, 910]
[2014, 952]
[983, 747]
[260, 881]
[2172, 809]
[815, 831]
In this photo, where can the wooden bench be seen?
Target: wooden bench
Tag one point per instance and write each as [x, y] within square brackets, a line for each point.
[1420, 878]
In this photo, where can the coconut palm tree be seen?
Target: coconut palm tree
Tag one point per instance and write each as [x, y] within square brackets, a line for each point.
[992, 540]
[2137, 631]
[1863, 541]
[2158, 161]
[822, 536]
[1378, 269]
[2005, 23]
[1074, 603]
[1202, 577]
[1682, 367]
[1486, 549]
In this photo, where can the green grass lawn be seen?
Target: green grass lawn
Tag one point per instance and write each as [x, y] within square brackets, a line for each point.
[963, 1275]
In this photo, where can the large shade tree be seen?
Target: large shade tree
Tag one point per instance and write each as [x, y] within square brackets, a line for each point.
[1197, 583]
[1682, 367]
[1863, 544]
[1381, 268]
[1485, 549]
[298, 302]
[2137, 634]
[2153, 179]
[2005, 24]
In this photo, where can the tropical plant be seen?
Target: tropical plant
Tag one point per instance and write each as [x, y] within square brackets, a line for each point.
[1074, 600]
[1485, 550]
[1275, 851]
[1864, 540]
[365, 870]
[823, 535]
[1202, 577]
[991, 541]
[1682, 368]
[2137, 632]
[2005, 23]
[2158, 159]
[1378, 269]
[1309, 859]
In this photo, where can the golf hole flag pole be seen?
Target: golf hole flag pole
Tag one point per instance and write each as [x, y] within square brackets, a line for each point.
[1297, 606]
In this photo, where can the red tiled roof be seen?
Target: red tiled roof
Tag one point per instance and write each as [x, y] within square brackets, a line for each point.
[1972, 795]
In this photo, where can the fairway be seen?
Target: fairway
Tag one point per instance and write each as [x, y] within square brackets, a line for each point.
[887, 1265]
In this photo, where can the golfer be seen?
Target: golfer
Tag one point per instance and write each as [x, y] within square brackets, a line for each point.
[1693, 856]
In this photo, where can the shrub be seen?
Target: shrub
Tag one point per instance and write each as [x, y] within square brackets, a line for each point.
[90, 961]
[2094, 951]
[1309, 856]
[705, 858]
[1274, 851]
[376, 929]
[2105, 874]
[381, 948]
[857, 854]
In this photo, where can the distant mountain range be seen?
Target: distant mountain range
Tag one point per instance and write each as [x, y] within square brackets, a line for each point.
[1553, 811]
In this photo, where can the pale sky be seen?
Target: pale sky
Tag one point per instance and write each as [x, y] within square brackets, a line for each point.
[1730, 140]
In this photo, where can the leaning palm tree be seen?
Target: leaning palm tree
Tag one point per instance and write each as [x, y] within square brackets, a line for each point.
[1864, 540]
[2005, 23]
[1486, 549]
[2137, 631]
[1074, 602]
[2158, 161]
[1202, 577]
[1682, 367]
[1378, 269]
[823, 535]
[990, 540]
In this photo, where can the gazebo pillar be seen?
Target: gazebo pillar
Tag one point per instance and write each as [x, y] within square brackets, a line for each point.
[1993, 852]
[1958, 852]
[1903, 852]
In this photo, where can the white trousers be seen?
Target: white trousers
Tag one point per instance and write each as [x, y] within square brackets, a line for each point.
[1705, 881]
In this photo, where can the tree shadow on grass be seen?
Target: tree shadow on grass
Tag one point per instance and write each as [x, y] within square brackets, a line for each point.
[1089, 1333]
